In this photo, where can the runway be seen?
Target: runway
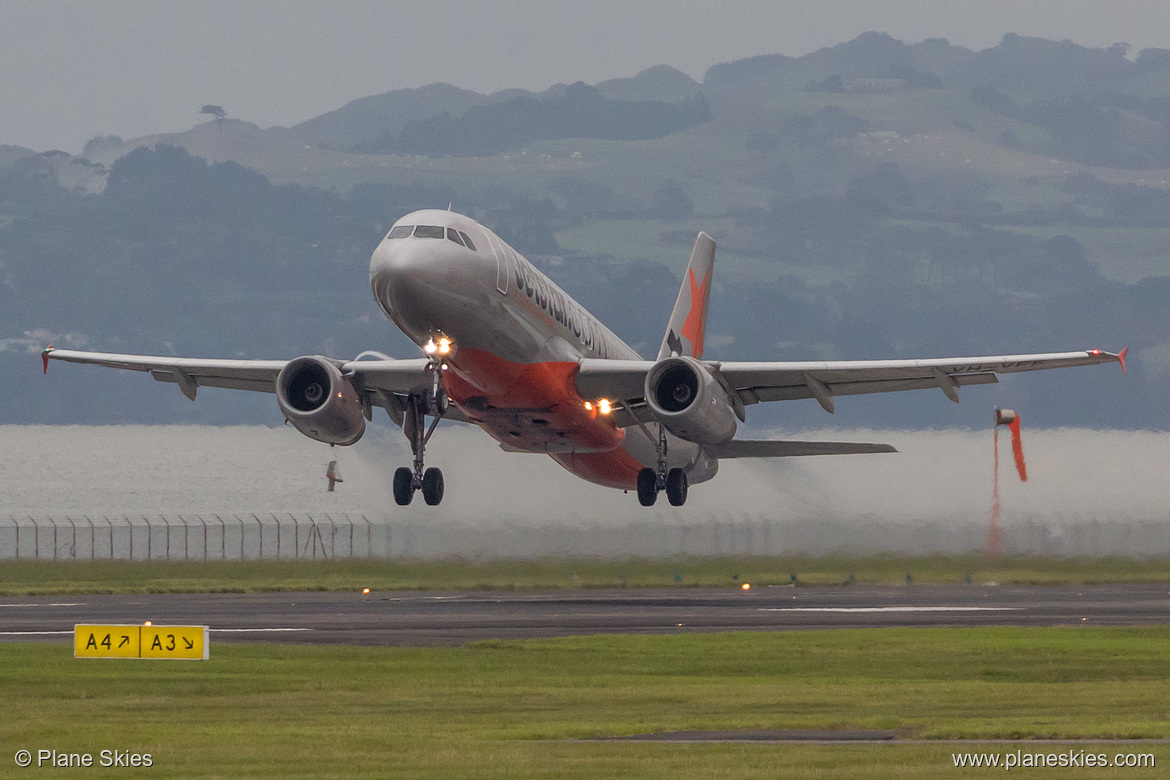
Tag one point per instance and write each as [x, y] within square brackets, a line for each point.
[411, 618]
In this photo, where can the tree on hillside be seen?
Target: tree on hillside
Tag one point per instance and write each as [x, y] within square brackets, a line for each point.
[215, 111]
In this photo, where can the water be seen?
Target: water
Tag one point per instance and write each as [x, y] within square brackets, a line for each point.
[1089, 493]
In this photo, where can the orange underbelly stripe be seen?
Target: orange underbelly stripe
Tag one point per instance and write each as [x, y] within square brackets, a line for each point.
[536, 407]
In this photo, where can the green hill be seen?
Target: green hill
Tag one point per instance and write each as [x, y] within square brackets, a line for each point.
[871, 199]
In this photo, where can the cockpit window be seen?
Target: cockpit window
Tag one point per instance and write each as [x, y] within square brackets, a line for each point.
[467, 240]
[401, 231]
[453, 235]
[429, 231]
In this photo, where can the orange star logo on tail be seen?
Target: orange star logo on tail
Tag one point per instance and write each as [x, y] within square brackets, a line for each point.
[696, 321]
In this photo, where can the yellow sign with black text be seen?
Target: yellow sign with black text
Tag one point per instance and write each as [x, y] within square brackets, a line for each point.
[186, 642]
[189, 643]
[106, 641]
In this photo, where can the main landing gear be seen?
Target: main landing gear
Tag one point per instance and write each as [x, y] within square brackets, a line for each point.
[429, 481]
[674, 483]
[653, 480]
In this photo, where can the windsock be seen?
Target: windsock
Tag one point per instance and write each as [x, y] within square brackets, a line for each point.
[1012, 421]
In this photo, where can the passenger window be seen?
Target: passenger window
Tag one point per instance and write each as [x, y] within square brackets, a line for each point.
[401, 231]
[429, 231]
[453, 235]
[467, 240]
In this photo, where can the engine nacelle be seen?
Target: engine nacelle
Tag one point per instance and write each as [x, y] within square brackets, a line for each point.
[319, 401]
[689, 401]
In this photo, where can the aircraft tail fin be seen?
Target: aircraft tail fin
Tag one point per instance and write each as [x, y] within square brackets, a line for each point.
[688, 321]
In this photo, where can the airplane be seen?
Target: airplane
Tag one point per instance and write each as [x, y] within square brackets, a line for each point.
[506, 349]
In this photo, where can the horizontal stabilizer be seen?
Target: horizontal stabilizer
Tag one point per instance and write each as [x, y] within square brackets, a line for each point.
[771, 448]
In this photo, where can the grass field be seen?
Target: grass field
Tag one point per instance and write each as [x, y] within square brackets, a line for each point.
[44, 577]
[513, 709]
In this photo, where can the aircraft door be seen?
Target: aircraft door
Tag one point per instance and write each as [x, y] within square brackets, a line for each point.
[501, 263]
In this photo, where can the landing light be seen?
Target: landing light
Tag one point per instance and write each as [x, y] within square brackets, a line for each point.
[603, 406]
[746, 586]
[147, 623]
[588, 407]
[444, 346]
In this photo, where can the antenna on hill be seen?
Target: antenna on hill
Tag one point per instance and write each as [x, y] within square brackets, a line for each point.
[449, 204]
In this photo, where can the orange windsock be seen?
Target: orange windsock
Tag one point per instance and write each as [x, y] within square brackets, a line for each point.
[1018, 449]
[1012, 420]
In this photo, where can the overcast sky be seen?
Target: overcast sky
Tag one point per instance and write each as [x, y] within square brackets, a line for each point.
[72, 70]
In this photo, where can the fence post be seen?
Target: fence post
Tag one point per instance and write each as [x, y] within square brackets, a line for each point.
[168, 525]
[369, 538]
[17, 538]
[73, 543]
[350, 534]
[92, 538]
[111, 525]
[222, 539]
[260, 548]
[204, 524]
[185, 531]
[296, 537]
[332, 537]
[149, 538]
[241, 522]
[277, 521]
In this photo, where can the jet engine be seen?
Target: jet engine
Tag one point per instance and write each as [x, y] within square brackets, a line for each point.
[689, 401]
[319, 401]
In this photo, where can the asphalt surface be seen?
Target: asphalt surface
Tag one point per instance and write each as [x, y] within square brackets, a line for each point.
[454, 618]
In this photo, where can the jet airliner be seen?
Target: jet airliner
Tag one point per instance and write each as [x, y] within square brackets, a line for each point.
[507, 350]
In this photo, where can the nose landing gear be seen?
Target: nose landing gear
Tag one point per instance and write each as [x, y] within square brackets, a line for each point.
[429, 481]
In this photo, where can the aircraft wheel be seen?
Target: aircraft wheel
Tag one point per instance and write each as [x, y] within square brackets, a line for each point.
[432, 487]
[403, 490]
[676, 487]
[647, 487]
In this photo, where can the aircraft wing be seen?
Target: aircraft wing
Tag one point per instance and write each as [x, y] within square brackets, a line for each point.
[378, 380]
[622, 382]
[188, 373]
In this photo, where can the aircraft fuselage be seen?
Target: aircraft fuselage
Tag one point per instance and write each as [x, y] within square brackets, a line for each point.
[517, 339]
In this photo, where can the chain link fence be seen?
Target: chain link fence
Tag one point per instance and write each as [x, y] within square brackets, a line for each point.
[341, 536]
[191, 538]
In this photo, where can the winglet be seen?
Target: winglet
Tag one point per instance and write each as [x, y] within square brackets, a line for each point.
[1119, 357]
[45, 357]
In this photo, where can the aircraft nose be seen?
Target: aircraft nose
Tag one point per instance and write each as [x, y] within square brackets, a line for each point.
[409, 284]
[407, 259]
